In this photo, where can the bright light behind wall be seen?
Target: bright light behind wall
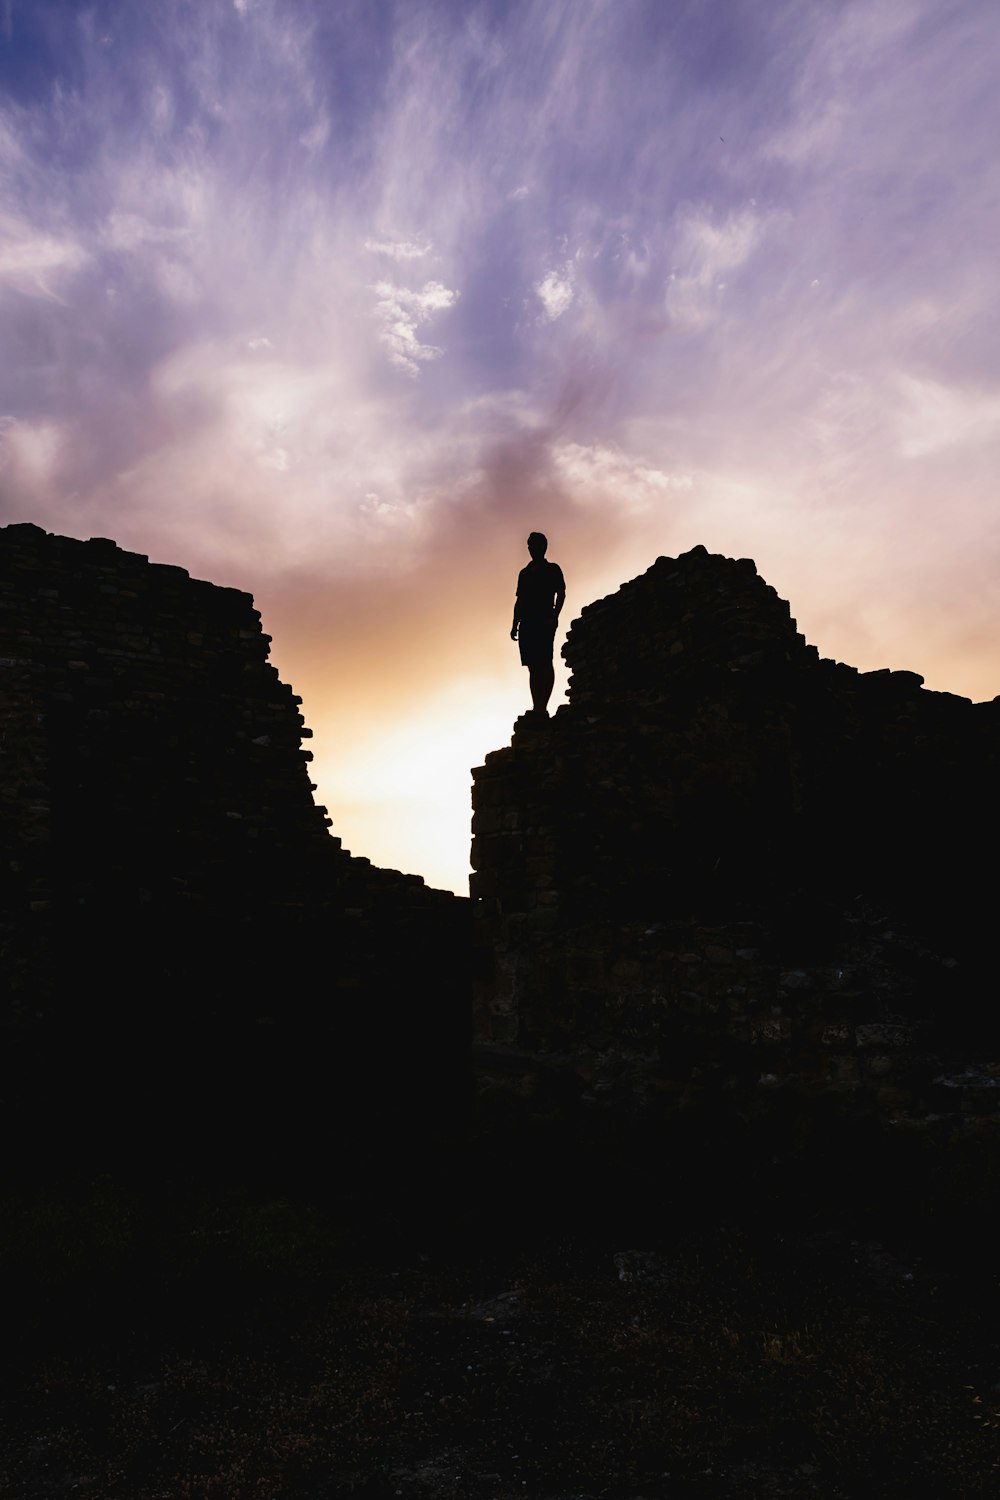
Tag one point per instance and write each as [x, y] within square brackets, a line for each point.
[395, 792]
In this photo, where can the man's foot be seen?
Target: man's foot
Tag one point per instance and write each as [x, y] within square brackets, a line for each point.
[532, 718]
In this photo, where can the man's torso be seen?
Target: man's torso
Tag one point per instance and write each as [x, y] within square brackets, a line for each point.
[537, 586]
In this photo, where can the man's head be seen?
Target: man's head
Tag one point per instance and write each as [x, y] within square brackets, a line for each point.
[537, 544]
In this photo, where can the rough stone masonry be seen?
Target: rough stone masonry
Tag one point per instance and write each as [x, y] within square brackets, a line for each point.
[190, 964]
[732, 902]
[735, 884]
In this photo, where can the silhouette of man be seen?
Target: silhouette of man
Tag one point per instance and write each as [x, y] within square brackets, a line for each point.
[541, 592]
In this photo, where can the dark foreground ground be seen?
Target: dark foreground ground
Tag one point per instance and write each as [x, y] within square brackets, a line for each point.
[239, 1345]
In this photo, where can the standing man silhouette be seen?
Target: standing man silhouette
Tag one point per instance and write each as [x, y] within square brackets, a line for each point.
[541, 592]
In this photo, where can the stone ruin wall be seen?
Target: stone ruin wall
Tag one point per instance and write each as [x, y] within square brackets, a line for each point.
[731, 880]
[150, 749]
[141, 714]
[728, 882]
[172, 898]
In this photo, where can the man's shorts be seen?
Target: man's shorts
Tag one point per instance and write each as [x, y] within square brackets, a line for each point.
[535, 638]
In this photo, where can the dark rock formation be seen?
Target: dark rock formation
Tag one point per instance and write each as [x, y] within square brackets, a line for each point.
[192, 967]
[728, 899]
[731, 915]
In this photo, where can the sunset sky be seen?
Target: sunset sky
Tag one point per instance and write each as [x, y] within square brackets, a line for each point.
[336, 300]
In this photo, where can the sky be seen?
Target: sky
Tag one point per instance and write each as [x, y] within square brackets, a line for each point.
[336, 300]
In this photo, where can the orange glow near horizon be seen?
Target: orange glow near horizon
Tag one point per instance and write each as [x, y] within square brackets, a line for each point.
[393, 757]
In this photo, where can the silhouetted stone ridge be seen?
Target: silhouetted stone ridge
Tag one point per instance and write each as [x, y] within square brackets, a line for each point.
[733, 875]
[684, 622]
[155, 719]
[181, 938]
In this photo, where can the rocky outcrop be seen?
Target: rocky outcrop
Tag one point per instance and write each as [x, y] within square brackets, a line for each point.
[729, 904]
[734, 885]
[189, 958]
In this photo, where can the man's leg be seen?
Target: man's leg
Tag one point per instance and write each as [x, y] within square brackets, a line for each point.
[541, 680]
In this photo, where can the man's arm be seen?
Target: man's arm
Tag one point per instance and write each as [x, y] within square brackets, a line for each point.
[517, 619]
[560, 592]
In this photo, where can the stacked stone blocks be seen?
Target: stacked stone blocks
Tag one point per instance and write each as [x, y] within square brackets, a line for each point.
[728, 868]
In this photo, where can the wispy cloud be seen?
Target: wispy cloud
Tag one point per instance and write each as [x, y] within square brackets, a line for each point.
[399, 249]
[36, 263]
[936, 416]
[400, 312]
[555, 290]
[605, 475]
[707, 251]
